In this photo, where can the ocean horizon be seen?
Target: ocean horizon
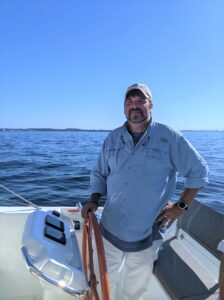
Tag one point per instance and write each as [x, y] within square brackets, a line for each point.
[80, 129]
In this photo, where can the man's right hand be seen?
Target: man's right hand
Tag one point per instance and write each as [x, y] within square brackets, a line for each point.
[91, 206]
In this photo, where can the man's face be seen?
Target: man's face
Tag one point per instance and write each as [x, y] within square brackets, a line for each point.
[137, 109]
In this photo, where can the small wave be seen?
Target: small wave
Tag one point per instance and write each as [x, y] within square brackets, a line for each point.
[50, 166]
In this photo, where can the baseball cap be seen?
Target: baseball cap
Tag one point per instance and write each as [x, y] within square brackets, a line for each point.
[141, 87]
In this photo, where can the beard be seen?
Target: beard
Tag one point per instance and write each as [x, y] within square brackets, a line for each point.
[136, 116]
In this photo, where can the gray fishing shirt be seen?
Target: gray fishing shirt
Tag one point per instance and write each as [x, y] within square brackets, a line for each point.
[139, 180]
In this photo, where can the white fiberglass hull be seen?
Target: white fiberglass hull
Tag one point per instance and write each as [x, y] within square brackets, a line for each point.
[16, 282]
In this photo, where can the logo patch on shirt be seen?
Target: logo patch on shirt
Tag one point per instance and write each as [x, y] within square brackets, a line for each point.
[163, 140]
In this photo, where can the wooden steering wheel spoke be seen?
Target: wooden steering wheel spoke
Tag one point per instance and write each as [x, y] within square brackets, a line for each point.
[90, 228]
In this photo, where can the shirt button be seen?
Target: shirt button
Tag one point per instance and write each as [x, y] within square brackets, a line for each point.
[126, 183]
[125, 199]
[129, 168]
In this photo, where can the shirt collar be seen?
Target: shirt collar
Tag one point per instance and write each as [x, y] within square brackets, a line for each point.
[126, 136]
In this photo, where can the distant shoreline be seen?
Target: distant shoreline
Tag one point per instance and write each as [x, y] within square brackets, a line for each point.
[88, 130]
[53, 129]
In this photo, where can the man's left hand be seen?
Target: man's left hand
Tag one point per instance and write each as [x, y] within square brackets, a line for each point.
[170, 213]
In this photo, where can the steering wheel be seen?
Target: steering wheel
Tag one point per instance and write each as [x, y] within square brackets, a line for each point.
[91, 227]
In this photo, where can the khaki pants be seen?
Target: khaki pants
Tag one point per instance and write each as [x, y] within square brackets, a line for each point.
[130, 272]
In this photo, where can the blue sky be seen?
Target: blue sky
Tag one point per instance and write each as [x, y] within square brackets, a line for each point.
[68, 63]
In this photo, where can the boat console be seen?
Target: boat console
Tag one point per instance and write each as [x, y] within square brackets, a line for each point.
[51, 252]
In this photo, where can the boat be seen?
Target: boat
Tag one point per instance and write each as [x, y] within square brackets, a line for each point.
[32, 267]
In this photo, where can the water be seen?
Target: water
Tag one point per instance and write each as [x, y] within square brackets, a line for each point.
[52, 168]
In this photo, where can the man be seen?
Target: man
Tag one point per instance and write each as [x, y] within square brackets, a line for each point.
[221, 271]
[137, 170]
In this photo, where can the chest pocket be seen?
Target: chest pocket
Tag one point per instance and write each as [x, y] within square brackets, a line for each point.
[116, 156]
[156, 157]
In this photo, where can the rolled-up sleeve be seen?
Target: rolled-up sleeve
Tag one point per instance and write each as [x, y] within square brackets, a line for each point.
[189, 163]
[99, 174]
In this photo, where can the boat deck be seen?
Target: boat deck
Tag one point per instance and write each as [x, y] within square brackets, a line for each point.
[17, 283]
